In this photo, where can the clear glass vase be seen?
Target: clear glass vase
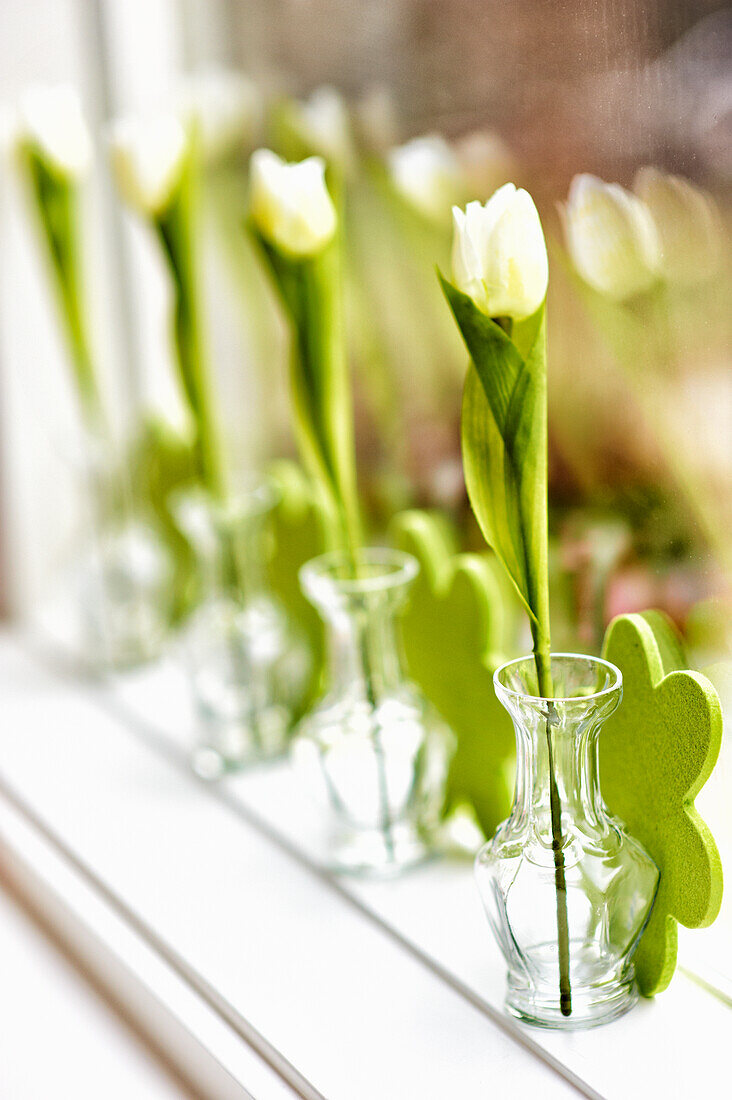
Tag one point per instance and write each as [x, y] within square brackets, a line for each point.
[566, 890]
[249, 668]
[123, 577]
[373, 750]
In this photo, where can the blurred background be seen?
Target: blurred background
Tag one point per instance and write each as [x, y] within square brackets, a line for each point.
[415, 104]
[641, 462]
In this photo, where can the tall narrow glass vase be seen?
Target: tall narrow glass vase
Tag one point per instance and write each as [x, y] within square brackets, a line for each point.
[373, 749]
[249, 667]
[566, 890]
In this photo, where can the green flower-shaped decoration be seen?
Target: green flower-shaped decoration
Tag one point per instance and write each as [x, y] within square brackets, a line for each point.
[453, 633]
[656, 753]
[298, 534]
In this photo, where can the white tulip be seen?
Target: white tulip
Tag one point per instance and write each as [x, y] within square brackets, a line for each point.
[148, 153]
[687, 222]
[426, 172]
[290, 203]
[226, 108]
[611, 238]
[499, 254]
[51, 120]
[324, 126]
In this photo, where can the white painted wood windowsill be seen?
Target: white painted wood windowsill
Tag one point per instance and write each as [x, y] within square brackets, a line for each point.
[257, 973]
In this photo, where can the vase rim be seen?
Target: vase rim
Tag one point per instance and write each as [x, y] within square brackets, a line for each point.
[502, 688]
[394, 569]
[251, 496]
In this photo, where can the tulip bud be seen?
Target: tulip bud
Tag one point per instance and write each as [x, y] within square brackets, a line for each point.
[324, 126]
[687, 222]
[290, 203]
[226, 108]
[611, 238]
[148, 154]
[499, 254]
[51, 121]
[425, 171]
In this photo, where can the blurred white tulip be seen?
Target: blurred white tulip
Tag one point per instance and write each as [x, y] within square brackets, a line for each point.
[499, 254]
[290, 203]
[226, 107]
[324, 126]
[688, 225]
[51, 120]
[148, 154]
[426, 172]
[611, 237]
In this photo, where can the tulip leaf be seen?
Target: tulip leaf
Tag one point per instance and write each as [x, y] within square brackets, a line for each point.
[309, 291]
[176, 229]
[504, 445]
[504, 438]
[56, 201]
[162, 462]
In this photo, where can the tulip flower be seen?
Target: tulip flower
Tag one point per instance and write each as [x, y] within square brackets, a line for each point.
[499, 254]
[226, 108]
[498, 301]
[148, 154]
[154, 161]
[426, 172]
[293, 222]
[290, 204]
[52, 122]
[687, 223]
[611, 237]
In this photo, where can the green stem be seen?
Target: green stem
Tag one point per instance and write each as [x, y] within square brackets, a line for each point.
[362, 640]
[542, 660]
[175, 227]
[236, 585]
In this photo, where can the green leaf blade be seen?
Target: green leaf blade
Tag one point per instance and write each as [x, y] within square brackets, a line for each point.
[504, 443]
[309, 291]
[494, 355]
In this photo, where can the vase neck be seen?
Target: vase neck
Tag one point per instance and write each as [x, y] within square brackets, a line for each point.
[228, 539]
[360, 615]
[557, 740]
[362, 649]
[572, 745]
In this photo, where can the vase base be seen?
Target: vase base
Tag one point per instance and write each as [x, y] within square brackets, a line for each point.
[210, 764]
[378, 853]
[591, 1006]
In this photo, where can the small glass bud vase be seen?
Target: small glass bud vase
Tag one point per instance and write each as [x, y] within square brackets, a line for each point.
[568, 904]
[249, 667]
[373, 750]
[124, 576]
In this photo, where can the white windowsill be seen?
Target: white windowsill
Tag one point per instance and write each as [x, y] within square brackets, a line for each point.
[340, 988]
